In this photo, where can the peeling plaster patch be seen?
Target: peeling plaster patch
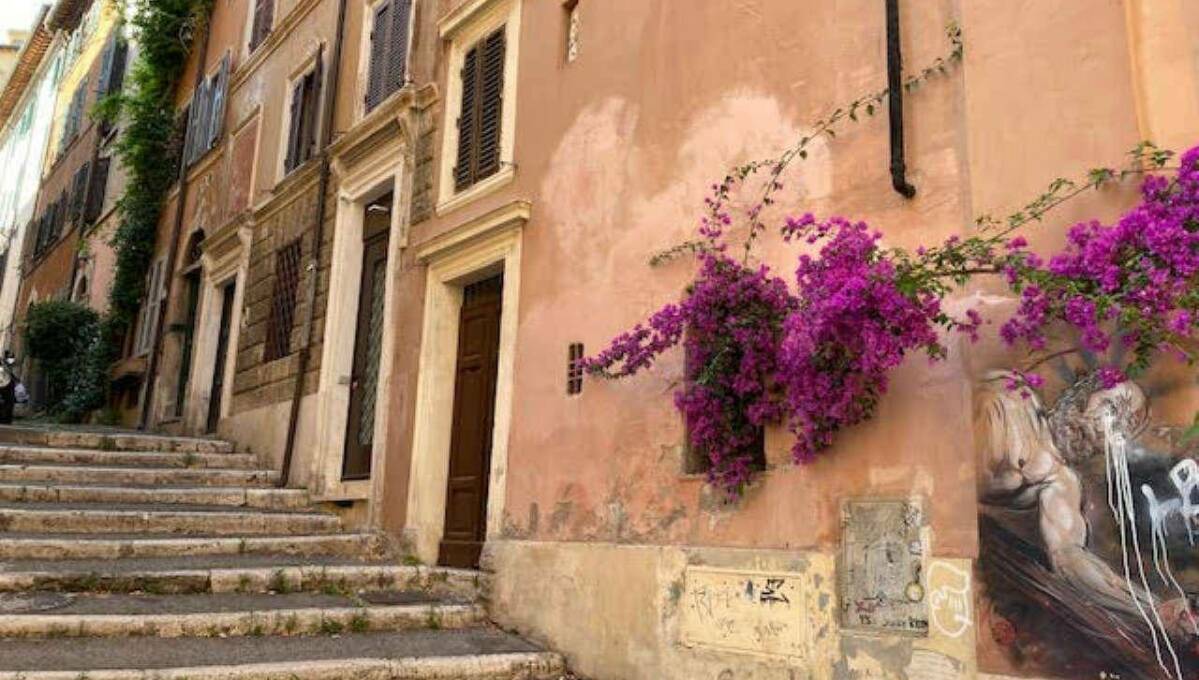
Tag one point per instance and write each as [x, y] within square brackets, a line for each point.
[929, 665]
[872, 659]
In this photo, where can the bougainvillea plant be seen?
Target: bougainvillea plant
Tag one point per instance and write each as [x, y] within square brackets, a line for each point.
[816, 355]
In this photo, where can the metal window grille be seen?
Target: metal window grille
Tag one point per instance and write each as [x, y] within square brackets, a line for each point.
[574, 369]
[283, 301]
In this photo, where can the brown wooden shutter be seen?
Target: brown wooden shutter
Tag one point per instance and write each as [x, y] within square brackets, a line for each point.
[106, 67]
[96, 187]
[79, 192]
[491, 105]
[312, 99]
[464, 171]
[264, 14]
[116, 77]
[397, 45]
[294, 126]
[376, 79]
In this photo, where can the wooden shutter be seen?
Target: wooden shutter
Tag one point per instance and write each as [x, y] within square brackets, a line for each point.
[397, 45]
[216, 114]
[294, 125]
[120, 55]
[491, 105]
[106, 67]
[311, 113]
[96, 188]
[79, 192]
[375, 84]
[264, 14]
[464, 172]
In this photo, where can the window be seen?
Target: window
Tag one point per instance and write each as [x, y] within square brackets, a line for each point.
[112, 73]
[206, 114]
[574, 368]
[74, 119]
[78, 192]
[147, 322]
[264, 17]
[283, 302]
[572, 30]
[93, 204]
[388, 50]
[480, 120]
[305, 105]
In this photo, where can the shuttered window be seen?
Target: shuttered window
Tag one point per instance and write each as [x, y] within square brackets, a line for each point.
[112, 66]
[97, 186]
[74, 117]
[480, 121]
[151, 302]
[390, 35]
[78, 192]
[264, 17]
[283, 302]
[305, 106]
[206, 114]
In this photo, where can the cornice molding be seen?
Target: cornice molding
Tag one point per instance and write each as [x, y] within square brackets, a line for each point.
[513, 214]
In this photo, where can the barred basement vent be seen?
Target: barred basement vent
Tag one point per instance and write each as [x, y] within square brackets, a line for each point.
[574, 369]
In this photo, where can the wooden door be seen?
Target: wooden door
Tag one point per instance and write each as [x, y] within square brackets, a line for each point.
[368, 347]
[192, 304]
[473, 421]
[217, 392]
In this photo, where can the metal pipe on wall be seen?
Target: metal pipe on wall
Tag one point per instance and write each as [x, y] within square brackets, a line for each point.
[895, 102]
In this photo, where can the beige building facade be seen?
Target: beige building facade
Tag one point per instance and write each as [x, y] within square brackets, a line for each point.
[400, 223]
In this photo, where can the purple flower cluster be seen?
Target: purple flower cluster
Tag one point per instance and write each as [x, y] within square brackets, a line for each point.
[818, 358]
[852, 325]
[731, 318]
[1135, 281]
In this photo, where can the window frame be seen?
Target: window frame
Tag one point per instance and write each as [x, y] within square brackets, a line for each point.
[312, 66]
[461, 30]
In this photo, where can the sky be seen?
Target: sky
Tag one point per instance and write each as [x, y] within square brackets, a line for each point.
[18, 13]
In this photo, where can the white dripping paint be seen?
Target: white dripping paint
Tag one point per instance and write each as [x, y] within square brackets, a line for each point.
[1120, 500]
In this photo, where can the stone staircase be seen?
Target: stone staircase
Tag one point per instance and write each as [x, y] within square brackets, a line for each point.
[128, 556]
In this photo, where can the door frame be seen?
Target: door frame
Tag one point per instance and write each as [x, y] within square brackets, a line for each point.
[384, 169]
[225, 260]
[472, 251]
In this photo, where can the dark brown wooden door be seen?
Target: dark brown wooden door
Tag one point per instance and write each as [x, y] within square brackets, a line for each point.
[473, 421]
[368, 346]
[222, 353]
[192, 291]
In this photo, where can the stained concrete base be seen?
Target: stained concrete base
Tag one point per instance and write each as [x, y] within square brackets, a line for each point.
[616, 612]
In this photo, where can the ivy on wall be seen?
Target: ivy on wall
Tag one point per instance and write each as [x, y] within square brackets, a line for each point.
[148, 149]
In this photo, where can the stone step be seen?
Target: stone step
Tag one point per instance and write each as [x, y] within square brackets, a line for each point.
[235, 573]
[177, 519]
[109, 439]
[264, 498]
[39, 614]
[480, 653]
[89, 546]
[137, 476]
[44, 455]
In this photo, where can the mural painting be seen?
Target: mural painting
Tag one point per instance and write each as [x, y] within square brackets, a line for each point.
[1088, 517]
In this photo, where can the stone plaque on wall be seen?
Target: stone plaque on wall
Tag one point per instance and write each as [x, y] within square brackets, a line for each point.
[745, 611]
[882, 577]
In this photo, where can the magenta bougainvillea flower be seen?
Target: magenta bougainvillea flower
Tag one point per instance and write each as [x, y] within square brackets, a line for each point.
[815, 355]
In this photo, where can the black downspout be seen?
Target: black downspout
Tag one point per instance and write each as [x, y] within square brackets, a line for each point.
[314, 268]
[180, 202]
[895, 100]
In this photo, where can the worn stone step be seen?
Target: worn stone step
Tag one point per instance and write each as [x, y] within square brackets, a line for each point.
[235, 573]
[108, 439]
[139, 476]
[264, 498]
[85, 546]
[178, 519]
[49, 614]
[45, 455]
[480, 653]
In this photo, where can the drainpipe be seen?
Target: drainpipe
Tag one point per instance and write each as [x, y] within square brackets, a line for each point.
[319, 233]
[895, 101]
[164, 304]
